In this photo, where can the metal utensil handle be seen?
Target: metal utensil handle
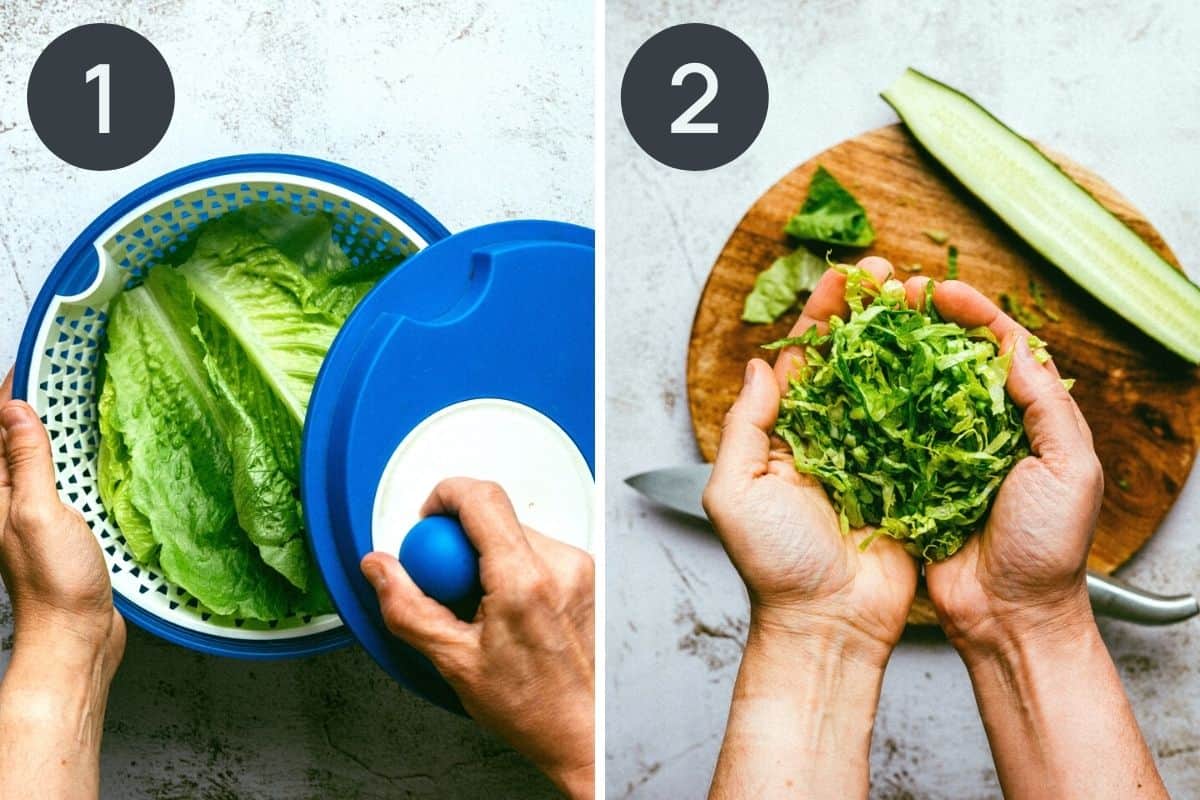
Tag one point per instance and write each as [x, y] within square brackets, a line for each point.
[1112, 598]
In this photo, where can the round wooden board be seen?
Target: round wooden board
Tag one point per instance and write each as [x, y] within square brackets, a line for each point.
[1143, 404]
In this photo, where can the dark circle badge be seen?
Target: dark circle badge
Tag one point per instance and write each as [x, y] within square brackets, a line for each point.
[694, 96]
[100, 96]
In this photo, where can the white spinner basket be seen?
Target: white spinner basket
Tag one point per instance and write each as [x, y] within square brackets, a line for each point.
[61, 346]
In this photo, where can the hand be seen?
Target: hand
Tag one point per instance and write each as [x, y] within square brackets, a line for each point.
[779, 527]
[50, 562]
[1014, 599]
[1025, 574]
[824, 615]
[525, 666]
[67, 638]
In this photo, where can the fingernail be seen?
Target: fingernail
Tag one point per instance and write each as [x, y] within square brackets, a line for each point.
[374, 575]
[750, 373]
[1023, 347]
[13, 415]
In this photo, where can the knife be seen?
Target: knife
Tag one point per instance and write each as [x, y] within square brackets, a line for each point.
[680, 488]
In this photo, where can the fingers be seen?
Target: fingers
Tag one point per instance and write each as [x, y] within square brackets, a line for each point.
[914, 291]
[970, 308]
[575, 568]
[5, 396]
[409, 613]
[30, 468]
[1052, 420]
[485, 512]
[827, 300]
[745, 436]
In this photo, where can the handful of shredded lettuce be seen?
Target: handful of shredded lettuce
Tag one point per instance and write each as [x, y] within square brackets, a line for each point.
[903, 418]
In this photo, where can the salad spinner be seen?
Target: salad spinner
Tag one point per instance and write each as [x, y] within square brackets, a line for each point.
[474, 356]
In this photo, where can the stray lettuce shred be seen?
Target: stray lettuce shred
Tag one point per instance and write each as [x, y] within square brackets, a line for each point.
[777, 287]
[1023, 314]
[952, 263]
[937, 237]
[903, 417]
[1039, 300]
[830, 214]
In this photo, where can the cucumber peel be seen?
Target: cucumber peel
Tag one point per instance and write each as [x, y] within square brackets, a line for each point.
[1055, 215]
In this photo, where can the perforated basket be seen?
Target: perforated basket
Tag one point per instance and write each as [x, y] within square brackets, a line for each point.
[61, 345]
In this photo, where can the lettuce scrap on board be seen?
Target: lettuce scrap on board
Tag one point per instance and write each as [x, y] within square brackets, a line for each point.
[903, 417]
[830, 214]
[208, 370]
[777, 287]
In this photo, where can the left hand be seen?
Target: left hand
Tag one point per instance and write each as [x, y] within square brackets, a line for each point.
[67, 637]
[50, 561]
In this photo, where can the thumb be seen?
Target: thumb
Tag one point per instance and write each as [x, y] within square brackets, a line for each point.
[1051, 416]
[411, 614]
[27, 452]
[745, 435]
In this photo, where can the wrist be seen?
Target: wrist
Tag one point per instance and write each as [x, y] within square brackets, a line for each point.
[1009, 634]
[72, 659]
[811, 637]
[803, 709]
[57, 690]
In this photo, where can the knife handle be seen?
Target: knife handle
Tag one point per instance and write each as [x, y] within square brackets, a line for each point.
[1112, 598]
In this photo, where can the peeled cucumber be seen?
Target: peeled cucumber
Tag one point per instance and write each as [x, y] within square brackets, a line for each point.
[1051, 212]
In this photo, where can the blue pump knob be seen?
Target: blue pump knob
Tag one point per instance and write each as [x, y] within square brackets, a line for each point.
[441, 560]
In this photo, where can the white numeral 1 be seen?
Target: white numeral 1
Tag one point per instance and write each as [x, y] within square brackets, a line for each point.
[683, 123]
[100, 73]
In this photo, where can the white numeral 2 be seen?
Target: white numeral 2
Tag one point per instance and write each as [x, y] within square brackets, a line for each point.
[683, 123]
[100, 73]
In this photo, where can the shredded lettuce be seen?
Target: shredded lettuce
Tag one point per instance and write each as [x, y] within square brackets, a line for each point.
[903, 417]
[830, 214]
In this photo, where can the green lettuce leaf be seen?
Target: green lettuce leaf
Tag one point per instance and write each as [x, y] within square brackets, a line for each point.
[252, 307]
[114, 484]
[262, 299]
[776, 287]
[830, 214]
[162, 431]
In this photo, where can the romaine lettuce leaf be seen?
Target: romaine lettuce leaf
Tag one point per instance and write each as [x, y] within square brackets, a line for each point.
[777, 287]
[251, 309]
[166, 438]
[830, 214]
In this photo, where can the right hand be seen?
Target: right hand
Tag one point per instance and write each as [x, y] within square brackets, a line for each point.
[780, 530]
[525, 666]
[1026, 572]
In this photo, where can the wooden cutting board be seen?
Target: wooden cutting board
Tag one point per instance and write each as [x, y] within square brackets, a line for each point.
[1142, 403]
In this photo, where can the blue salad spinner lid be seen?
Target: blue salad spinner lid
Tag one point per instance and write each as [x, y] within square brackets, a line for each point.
[497, 319]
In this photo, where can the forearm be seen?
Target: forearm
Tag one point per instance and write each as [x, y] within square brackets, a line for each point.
[801, 718]
[52, 704]
[1056, 715]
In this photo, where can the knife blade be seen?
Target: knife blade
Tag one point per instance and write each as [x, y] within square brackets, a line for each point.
[680, 488]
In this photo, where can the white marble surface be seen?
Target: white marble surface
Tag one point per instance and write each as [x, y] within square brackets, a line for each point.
[1111, 84]
[481, 111]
